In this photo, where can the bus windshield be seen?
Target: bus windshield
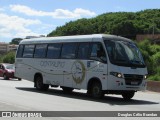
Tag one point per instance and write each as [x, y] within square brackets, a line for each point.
[124, 53]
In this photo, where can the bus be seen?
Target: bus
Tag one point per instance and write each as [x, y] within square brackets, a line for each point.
[99, 63]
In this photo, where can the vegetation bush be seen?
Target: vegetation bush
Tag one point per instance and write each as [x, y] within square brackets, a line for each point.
[151, 55]
[154, 77]
[8, 58]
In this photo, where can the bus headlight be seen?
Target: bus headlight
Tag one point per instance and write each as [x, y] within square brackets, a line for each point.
[116, 74]
[145, 76]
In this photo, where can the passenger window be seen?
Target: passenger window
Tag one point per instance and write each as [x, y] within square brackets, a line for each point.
[83, 51]
[98, 53]
[54, 51]
[68, 50]
[20, 51]
[28, 51]
[40, 51]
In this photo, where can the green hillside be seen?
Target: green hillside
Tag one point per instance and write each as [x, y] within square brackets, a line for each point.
[126, 24]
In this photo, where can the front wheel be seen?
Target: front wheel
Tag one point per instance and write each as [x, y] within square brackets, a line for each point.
[128, 95]
[96, 90]
[39, 84]
[5, 77]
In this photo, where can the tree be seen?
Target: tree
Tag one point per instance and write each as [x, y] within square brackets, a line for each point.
[15, 41]
[119, 23]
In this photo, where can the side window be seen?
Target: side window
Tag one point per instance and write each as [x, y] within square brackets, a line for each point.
[68, 51]
[54, 51]
[40, 51]
[83, 50]
[98, 53]
[2, 67]
[20, 51]
[28, 51]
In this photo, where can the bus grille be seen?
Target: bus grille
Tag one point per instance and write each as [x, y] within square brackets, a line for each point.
[132, 79]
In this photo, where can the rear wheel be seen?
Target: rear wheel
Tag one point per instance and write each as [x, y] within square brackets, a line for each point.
[19, 79]
[128, 95]
[5, 77]
[96, 90]
[39, 84]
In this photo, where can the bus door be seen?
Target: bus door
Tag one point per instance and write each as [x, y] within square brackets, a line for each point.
[97, 65]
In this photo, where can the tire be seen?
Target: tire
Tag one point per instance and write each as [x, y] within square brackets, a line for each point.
[96, 90]
[67, 89]
[128, 95]
[19, 79]
[39, 84]
[5, 77]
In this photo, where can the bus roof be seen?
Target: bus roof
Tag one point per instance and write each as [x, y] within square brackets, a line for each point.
[74, 38]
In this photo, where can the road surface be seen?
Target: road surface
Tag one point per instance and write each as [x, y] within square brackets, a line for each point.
[22, 96]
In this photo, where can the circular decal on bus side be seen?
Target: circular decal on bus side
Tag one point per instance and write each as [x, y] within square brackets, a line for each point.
[78, 72]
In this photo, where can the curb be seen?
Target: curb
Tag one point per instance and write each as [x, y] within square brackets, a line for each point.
[153, 86]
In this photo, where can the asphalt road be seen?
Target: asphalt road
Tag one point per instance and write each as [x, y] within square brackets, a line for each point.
[22, 96]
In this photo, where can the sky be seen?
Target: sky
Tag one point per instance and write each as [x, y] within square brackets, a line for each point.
[21, 18]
